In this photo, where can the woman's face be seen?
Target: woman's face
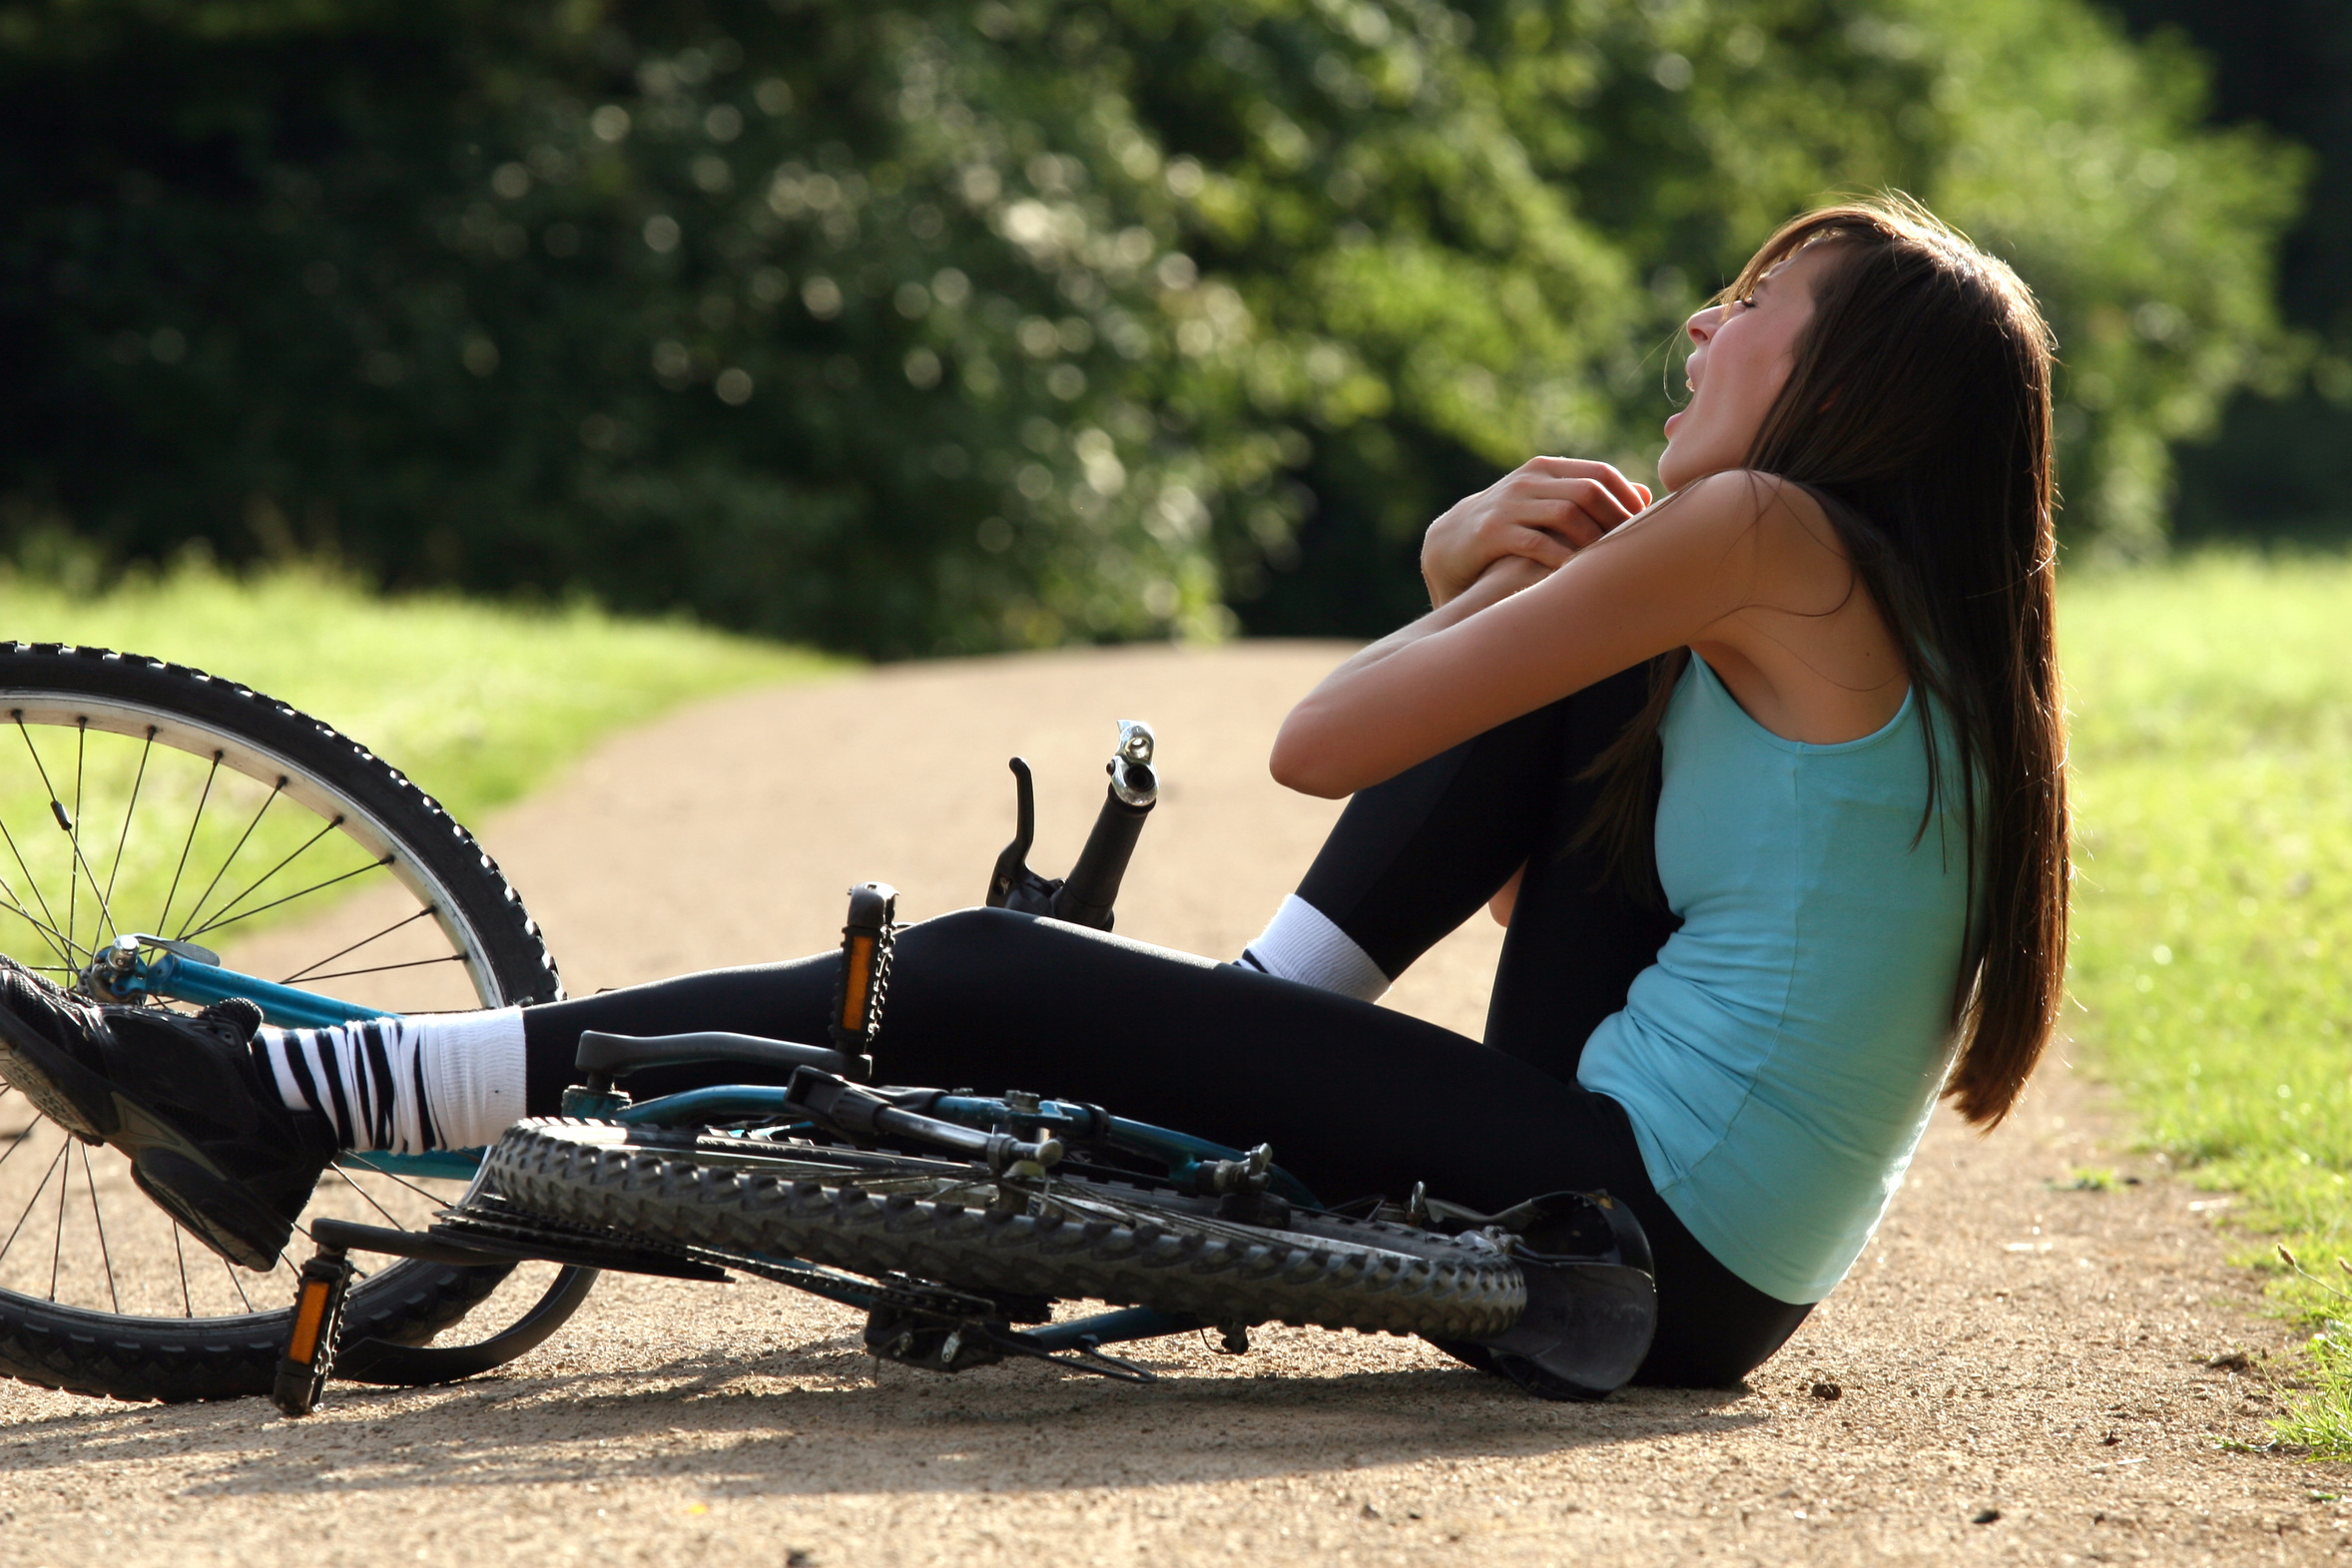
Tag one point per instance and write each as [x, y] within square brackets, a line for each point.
[1745, 351]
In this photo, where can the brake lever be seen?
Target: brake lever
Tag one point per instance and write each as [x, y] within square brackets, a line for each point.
[1012, 885]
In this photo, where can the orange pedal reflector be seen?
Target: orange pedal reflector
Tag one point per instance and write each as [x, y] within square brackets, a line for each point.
[864, 976]
[309, 1317]
[858, 955]
[317, 1319]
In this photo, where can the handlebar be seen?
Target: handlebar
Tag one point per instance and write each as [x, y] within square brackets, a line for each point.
[1093, 884]
[837, 1102]
[1085, 897]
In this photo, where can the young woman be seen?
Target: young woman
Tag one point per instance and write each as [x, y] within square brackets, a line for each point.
[1765, 779]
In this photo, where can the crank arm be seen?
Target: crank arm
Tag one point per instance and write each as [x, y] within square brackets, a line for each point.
[1088, 1357]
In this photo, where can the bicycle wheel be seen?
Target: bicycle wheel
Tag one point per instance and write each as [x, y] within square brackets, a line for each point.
[1083, 1239]
[141, 796]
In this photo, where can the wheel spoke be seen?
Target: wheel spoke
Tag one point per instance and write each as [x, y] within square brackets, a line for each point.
[303, 974]
[231, 1270]
[104, 1253]
[36, 1197]
[58, 811]
[434, 1199]
[180, 1257]
[106, 915]
[268, 801]
[47, 924]
[368, 1197]
[23, 1137]
[71, 824]
[48, 932]
[413, 963]
[273, 870]
[128, 810]
[72, 838]
[65, 1182]
[161, 921]
[215, 925]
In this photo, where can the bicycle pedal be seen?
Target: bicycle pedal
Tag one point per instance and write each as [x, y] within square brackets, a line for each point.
[320, 1292]
[933, 1343]
[868, 938]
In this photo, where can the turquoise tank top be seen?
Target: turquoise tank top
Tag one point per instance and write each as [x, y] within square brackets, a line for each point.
[1780, 1058]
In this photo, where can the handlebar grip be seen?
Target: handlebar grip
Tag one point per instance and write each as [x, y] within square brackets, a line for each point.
[1085, 899]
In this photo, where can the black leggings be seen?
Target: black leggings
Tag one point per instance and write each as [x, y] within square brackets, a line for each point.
[1356, 1099]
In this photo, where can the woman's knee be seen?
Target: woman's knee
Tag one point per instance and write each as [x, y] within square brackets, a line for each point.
[962, 924]
[974, 953]
[969, 932]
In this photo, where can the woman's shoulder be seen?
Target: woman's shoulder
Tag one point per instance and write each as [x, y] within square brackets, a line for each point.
[1778, 531]
[1729, 542]
[1749, 498]
[1805, 652]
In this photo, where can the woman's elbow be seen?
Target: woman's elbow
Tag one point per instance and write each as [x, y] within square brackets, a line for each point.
[1297, 764]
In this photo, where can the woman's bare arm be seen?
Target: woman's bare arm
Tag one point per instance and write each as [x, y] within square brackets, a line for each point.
[1508, 644]
[1546, 510]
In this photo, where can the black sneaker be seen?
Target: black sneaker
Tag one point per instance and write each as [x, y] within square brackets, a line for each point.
[183, 1097]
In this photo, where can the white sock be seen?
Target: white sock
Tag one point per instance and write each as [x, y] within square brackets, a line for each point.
[1301, 944]
[405, 1085]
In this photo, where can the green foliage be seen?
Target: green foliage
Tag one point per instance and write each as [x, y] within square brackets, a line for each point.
[475, 702]
[2279, 465]
[2030, 125]
[912, 328]
[2212, 750]
[510, 297]
[2152, 253]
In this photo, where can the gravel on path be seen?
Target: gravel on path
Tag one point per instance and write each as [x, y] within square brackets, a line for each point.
[2020, 1369]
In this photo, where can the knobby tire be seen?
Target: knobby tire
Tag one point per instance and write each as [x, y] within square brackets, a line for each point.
[1097, 1241]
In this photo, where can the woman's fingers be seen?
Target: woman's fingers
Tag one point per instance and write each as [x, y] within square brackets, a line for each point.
[1542, 546]
[1600, 497]
[1633, 497]
[1545, 510]
[1579, 510]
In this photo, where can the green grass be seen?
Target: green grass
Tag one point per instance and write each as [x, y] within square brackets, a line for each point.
[476, 702]
[2212, 752]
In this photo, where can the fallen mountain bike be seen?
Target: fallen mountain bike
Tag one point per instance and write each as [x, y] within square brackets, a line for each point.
[953, 1221]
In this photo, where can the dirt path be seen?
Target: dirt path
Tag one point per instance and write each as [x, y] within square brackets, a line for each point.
[2007, 1343]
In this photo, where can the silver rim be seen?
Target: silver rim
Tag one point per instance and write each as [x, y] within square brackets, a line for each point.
[118, 817]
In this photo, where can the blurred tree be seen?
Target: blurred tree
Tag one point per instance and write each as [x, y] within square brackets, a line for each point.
[720, 306]
[1670, 136]
[918, 327]
[2280, 463]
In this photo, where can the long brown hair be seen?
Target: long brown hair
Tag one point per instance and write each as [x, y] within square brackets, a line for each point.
[1917, 413]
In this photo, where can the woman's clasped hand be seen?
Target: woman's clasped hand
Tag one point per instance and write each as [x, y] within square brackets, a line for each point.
[1542, 512]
